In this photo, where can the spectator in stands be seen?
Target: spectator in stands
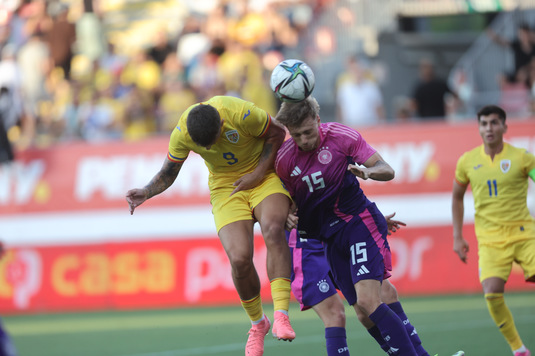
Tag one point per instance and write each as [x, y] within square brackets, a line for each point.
[61, 38]
[161, 48]
[429, 93]
[6, 150]
[523, 46]
[359, 99]
[12, 109]
[35, 64]
[514, 93]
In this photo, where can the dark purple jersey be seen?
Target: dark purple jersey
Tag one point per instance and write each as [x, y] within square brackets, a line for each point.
[326, 193]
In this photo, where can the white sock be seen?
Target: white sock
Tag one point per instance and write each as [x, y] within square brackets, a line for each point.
[522, 349]
[258, 321]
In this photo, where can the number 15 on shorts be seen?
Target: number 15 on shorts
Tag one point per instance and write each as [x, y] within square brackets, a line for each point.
[358, 253]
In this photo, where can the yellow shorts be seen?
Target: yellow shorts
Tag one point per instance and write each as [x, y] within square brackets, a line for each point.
[228, 209]
[497, 260]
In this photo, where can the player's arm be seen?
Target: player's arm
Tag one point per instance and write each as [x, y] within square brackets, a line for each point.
[460, 245]
[374, 168]
[159, 183]
[274, 137]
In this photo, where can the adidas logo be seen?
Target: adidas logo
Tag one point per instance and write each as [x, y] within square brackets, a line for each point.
[392, 350]
[414, 332]
[362, 270]
[295, 172]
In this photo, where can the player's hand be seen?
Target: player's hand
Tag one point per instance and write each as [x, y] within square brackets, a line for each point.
[248, 181]
[291, 221]
[361, 172]
[461, 248]
[136, 197]
[393, 225]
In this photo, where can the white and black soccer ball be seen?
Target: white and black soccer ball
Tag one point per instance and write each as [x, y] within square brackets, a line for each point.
[292, 80]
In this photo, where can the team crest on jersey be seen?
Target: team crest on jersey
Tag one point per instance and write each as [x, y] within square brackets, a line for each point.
[324, 156]
[323, 286]
[505, 165]
[233, 136]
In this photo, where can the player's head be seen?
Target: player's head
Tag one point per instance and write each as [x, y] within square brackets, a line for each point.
[293, 114]
[491, 120]
[204, 125]
[302, 121]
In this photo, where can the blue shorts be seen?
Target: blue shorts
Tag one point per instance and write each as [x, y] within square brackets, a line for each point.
[311, 279]
[359, 251]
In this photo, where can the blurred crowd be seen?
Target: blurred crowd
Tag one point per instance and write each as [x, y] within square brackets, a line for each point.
[61, 79]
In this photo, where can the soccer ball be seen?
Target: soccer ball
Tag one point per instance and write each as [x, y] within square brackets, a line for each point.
[292, 80]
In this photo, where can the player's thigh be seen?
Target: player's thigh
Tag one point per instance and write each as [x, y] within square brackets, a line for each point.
[237, 239]
[495, 261]
[525, 256]
[331, 311]
[228, 209]
[354, 255]
[311, 281]
[270, 202]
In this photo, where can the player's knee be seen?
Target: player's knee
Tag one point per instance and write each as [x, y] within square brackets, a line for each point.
[367, 305]
[274, 233]
[339, 317]
[335, 316]
[240, 264]
[389, 293]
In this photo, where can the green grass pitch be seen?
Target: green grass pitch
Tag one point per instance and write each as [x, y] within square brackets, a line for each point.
[446, 324]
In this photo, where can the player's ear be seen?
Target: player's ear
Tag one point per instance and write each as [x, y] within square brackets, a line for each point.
[318, 119]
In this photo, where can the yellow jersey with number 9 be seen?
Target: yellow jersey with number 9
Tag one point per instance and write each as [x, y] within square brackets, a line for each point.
[499, 186]
[238, 149]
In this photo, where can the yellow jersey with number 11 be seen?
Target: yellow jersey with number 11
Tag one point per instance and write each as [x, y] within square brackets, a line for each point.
[500, 188]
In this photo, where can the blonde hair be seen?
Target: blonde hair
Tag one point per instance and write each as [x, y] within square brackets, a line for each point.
[293, 114]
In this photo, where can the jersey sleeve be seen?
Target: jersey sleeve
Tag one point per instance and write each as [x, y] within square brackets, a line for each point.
[255, 121]
[528, 162]
[178, 151]
[460, 172]
[359, 149]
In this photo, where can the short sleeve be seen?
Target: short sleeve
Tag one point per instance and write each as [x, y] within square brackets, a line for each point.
[254, 121]
[460, 172]
[178, 150]
[528, 162]
[360, 150]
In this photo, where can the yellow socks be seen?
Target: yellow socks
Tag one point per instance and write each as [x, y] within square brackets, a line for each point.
[503, 318]
[253, 308]
[280, 292]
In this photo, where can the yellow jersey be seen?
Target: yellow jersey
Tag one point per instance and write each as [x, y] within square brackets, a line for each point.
[500, 188]
[238, 149]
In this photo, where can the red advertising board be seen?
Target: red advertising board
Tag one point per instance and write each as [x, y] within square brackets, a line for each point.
[196, 272]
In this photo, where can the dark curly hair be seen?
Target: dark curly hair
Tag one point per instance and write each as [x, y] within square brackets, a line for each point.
[204, 124]
[491, 109]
